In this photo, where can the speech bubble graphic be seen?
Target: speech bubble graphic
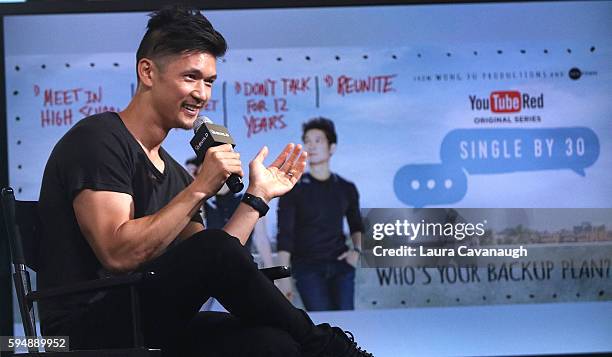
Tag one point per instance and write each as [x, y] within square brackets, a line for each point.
[426, 184]
[489, 151]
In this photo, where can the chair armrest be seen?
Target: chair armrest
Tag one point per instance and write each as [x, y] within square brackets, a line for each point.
[92, 285]
[277, 272]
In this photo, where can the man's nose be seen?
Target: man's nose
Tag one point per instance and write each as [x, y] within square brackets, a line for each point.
[201, 94]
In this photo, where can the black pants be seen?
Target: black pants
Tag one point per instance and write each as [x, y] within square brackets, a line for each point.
[211, 263]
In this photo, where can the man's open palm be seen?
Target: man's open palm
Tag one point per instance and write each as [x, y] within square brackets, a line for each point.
[280, 177]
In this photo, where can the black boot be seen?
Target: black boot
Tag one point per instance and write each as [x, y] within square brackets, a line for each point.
[342, 344]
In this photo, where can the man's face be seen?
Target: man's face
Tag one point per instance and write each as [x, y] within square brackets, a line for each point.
[182, 87]
[317, 146]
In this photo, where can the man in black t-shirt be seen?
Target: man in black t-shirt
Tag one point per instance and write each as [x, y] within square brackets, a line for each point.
[113, 202]
[310, 221]
[97, 155]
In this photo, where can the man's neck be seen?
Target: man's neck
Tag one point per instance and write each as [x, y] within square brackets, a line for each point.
[320, 171]
[144, 124]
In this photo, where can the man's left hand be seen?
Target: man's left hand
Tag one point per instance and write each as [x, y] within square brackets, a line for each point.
[278, 178]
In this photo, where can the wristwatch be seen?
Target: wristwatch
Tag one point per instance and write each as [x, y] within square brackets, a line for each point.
[257, 203]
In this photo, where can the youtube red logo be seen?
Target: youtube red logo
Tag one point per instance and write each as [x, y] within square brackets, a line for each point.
[508, 101]
[505, 102]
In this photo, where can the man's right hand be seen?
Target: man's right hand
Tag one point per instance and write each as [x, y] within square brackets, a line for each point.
[219, 163]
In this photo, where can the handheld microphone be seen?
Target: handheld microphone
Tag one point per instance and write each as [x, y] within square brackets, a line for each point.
[207, 135]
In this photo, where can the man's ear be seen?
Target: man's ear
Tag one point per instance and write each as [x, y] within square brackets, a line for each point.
[332, 149]
[145, 69]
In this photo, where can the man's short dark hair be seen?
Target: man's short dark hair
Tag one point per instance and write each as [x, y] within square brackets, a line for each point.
[322, 124]
[176, 30]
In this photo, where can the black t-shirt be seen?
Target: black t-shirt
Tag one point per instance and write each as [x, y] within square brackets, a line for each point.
[98, 153]
[310, 218]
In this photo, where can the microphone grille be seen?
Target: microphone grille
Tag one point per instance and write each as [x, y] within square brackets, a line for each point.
[199, 121]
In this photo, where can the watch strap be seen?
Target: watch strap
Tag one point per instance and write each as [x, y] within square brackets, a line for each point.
[257, 203]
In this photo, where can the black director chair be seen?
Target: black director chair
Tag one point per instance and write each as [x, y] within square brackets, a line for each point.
[23, 227]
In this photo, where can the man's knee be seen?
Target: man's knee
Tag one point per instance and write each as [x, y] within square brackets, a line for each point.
[216, 239]
[218, 245]
[211, 235]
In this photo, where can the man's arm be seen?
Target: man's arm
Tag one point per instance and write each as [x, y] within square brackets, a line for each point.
[356, 238]
[121, 242]
[266, 183]
[191, 229]
[352, 255]
[243, 220]
[353, 217]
